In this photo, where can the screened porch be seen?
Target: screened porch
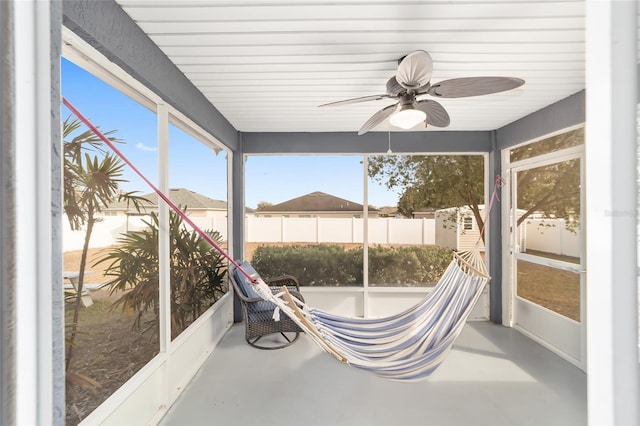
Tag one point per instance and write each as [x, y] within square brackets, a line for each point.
[217, 104]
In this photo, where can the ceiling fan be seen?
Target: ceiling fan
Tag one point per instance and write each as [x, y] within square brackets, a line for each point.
[413, 79]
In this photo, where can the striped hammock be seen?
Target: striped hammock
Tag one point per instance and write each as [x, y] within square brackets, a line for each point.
[408, 346]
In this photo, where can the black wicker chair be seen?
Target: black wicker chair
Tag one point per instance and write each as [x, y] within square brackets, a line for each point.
[258, 313]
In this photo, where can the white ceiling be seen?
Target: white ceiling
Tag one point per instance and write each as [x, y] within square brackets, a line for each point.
[267, 65]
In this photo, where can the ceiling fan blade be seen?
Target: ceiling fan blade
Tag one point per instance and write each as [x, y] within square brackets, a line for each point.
[415, 70]
[393, 87]
[377, 118]
[423, 89]
[473, 86]
[356, 100]
[436, 114]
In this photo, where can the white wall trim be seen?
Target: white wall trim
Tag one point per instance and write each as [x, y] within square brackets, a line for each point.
[612, 304]
[32, 100]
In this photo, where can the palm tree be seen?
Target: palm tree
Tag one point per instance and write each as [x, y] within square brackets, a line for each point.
[197, 275]
[91, 183]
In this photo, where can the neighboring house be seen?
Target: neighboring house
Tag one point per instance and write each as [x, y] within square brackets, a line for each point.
[425, 213]
[390, 211]
[457, 228]
[316, 204]
[198, 205]
[120, 218]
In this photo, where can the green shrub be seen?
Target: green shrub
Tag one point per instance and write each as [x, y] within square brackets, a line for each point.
[197, 273]
[407, 266]
[333, 265]
[314, 265]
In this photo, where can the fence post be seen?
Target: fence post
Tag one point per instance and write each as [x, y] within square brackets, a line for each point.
[353, 229]
[282, 221]
[562, 229]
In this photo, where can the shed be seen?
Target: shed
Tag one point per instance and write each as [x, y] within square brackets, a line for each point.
[457, 228]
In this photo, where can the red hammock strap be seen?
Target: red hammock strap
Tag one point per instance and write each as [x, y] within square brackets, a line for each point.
[166, 199]
[498, 183]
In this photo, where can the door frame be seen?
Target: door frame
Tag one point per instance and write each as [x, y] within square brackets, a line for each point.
[509, 297]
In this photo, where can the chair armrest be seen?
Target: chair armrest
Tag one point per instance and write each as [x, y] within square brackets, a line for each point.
[275, 290]
[275, 285]
[240, 294]
[288, 281]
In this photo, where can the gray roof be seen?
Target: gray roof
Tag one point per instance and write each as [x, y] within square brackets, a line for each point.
[182, 197]
[389, 210]
[316, 202]
[426, 210]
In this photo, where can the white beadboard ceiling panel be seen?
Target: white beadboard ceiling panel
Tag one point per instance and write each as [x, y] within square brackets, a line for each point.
[268, 65]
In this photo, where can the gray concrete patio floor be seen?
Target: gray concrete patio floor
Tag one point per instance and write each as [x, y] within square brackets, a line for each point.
[493, 376]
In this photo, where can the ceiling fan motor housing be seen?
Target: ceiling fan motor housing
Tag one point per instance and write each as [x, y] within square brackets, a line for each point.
[407, 101]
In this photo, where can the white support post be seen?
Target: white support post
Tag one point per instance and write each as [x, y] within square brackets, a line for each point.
[507, 241]
[365, 235]
[164, 265]
[230, 221]
[163, 235]
[612, 301]
[33, 221]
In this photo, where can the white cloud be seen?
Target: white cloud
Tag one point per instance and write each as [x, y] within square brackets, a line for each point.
[143, 147]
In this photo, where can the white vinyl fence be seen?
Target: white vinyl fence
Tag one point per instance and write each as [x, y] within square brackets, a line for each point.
[109, 229]
[263, 230]
[339, 230]
[550, 236]
[547, 235]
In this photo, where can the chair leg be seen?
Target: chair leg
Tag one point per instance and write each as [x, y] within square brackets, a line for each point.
[254, 340]
[286, 338]
[284, 345]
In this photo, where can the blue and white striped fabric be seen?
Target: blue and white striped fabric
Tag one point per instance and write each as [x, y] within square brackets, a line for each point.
[410, 345]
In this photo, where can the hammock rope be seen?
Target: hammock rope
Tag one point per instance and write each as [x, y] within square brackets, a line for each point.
[407, 346]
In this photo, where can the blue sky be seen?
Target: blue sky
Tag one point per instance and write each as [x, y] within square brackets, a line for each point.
[195, 166]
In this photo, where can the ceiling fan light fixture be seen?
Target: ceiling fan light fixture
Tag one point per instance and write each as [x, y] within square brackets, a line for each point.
[407, 118]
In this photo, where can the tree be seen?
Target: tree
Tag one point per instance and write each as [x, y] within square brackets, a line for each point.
[90, 184]
[440, 181]
[197, 273]
[552, 190]
[263, 204]
[434, 181]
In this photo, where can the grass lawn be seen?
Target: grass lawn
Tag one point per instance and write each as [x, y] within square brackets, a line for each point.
[107, 349]
[555, 289]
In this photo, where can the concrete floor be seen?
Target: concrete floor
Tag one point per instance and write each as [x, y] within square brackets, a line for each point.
[493, 376]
